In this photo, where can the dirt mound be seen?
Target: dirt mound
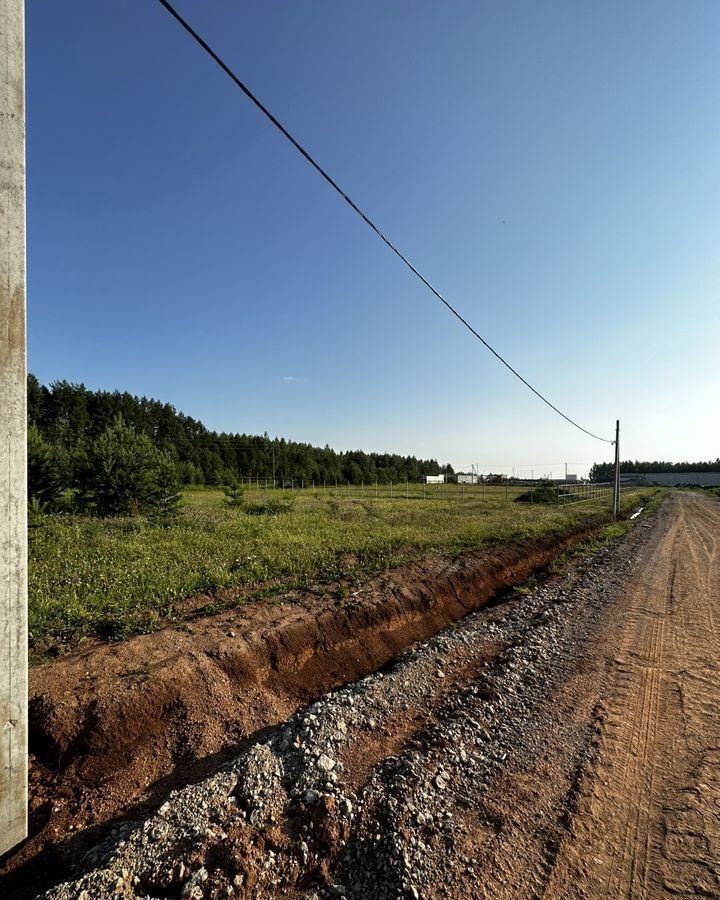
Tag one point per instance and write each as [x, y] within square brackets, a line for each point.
[115, 727]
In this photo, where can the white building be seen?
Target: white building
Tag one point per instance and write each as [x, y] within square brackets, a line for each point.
[434, 479]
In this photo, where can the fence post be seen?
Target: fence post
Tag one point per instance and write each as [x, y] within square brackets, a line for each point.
[391, 493]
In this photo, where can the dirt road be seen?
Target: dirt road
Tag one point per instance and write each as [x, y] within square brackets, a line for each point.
[649, 813]
[561, 743]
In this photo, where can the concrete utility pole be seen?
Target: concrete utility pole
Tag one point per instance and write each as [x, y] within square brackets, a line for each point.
[13, 431]
[616, 484]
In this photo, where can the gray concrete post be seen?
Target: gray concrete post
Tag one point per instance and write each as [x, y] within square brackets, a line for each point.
[13, 432]
[616, 477]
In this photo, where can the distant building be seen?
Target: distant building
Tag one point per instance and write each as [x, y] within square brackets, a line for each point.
[571, 478]
[434, 479]
[464, 478]
[703, 479]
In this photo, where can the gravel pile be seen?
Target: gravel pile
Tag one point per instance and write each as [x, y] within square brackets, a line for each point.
[363, 794]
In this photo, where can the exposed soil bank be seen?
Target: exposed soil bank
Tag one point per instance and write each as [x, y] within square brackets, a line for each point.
[115, 727]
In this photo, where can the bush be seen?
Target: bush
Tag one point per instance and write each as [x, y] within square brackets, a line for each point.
[36, 512]
[270, 506]
[43, 471]
[541, 493]
[234, 495]
[163, 499]
[125, 474]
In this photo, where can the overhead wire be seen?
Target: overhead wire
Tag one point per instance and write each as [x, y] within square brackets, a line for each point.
[368, 221]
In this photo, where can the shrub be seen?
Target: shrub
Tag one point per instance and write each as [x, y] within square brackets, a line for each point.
[37, 510]
[270, 506]
[43, 471]
[234, 495]
[163, 499]
[546, 492]
[125, 474]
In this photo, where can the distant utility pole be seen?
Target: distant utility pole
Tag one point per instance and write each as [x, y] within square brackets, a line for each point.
[13, 432]
[616, 485]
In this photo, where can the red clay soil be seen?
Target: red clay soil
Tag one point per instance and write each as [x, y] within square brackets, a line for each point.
[115, 727]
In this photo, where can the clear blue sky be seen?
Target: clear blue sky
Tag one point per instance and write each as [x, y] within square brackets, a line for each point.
[553, 167]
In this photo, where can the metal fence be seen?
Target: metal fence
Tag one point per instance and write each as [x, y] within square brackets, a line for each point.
[552, 493]
[579, 492]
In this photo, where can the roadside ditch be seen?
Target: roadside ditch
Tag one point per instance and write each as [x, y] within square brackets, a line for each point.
[115, 728]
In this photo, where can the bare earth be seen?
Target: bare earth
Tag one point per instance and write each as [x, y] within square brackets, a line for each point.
[559, 743]
[649, 814]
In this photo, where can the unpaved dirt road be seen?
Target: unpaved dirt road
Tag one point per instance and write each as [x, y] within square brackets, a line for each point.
[648, 823]
[562, 742]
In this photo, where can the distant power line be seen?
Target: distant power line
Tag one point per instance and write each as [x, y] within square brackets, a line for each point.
[276, 122]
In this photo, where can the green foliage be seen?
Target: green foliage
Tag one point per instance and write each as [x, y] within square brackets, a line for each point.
[70, 417]
[125, 474]
[545, 492]
[117, 576]
[234, 495]
[270, 506]
[37, 510]
[164, 499]
[43, 470]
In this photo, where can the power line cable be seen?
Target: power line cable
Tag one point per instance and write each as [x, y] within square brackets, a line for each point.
[303, 152]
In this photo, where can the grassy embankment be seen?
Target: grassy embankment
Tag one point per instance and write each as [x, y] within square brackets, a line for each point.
[115, 577]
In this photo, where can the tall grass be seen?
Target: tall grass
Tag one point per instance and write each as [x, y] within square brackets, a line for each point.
[112, 577]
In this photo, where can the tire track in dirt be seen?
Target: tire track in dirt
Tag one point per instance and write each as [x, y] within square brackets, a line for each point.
[649, 821]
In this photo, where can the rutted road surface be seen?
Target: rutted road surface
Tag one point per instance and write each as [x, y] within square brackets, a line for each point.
[649, 820]
[563, 743]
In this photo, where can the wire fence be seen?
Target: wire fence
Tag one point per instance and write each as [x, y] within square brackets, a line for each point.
[531, 490]
[573, 492]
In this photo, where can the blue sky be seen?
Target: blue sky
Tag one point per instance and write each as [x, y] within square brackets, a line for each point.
[552, 167]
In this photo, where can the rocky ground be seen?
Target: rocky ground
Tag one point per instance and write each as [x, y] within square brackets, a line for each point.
[453, 772]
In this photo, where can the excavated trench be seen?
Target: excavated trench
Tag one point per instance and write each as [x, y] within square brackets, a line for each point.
[115, 728]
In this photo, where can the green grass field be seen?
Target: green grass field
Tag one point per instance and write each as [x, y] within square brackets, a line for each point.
[115, 577]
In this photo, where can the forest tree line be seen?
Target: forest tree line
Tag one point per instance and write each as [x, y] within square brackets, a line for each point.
[66, 422]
